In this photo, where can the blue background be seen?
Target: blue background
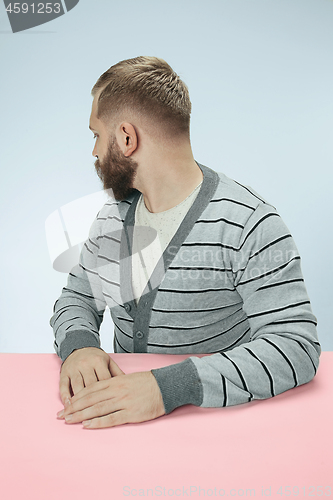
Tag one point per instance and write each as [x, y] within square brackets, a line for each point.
[260, 76]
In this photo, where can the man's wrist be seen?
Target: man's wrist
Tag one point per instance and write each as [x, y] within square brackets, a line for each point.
[79, 349]
[77, 339]
[179, 385]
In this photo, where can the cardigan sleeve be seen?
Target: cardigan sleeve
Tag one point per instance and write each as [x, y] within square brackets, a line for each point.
[283, 351]
[78, 313]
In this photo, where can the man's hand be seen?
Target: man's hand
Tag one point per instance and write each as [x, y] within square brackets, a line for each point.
[82, 368]
[121, 399]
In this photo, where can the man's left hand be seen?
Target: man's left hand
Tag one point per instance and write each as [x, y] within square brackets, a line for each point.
[119, 400]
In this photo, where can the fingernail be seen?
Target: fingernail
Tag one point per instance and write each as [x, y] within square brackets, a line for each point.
[68, 418]
[60, 413]
[67, 402]
[86, 423]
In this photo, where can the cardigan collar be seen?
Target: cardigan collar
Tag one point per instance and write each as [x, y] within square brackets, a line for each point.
[207, 190]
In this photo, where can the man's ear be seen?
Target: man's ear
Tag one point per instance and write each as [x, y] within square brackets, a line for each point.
[127, 138]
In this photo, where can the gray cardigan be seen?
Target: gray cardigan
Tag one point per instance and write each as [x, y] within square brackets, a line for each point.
[229, 284]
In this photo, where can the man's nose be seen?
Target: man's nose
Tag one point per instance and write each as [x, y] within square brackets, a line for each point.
[94, 152]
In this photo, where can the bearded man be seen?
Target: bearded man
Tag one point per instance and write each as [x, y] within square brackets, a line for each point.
[188, 261]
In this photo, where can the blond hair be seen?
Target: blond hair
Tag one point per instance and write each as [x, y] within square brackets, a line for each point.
[148, 86]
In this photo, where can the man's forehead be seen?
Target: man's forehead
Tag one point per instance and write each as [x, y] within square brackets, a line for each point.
[93, 116]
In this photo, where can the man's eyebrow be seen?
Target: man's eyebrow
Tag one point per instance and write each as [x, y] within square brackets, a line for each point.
[91, 128]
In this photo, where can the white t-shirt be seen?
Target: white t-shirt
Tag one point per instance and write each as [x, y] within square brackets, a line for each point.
[149, 244]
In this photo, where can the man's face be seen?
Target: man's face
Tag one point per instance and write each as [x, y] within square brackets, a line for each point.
[115, 170]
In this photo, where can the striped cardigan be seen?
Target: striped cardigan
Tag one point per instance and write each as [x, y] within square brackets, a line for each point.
[229, 284]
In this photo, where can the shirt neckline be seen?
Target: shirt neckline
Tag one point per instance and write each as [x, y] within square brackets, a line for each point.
[152, 214]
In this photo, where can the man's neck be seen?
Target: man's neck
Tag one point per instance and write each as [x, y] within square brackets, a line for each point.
[166, 181]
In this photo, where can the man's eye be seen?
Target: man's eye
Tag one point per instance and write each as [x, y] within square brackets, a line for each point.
[95, 135]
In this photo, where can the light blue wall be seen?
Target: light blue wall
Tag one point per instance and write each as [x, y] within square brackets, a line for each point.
[260, 75]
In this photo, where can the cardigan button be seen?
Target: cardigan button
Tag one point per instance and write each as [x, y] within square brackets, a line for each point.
[127, 307]
[139, 335]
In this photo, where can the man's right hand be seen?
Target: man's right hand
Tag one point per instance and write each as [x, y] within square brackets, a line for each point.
[81, 368]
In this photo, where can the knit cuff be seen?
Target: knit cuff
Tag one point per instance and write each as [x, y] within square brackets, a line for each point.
[179, 384]
[76, 340]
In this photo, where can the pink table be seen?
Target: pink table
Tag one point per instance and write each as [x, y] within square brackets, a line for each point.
[263, 448]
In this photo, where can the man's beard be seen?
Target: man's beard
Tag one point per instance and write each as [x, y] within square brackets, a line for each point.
[116, 171]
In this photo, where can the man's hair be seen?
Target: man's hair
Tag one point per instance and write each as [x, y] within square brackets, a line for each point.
[149, 87]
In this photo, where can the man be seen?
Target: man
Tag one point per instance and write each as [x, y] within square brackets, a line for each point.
[187, 260]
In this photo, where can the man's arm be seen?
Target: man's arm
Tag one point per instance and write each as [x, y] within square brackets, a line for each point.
[284, 349]
[77, 317]
[78, 313]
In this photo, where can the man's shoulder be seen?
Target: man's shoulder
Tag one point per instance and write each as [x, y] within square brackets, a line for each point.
[234, 191]
[111, 215]
[236, 203]
[116, 209]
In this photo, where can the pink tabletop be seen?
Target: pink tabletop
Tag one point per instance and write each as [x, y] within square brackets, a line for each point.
[277, 447]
